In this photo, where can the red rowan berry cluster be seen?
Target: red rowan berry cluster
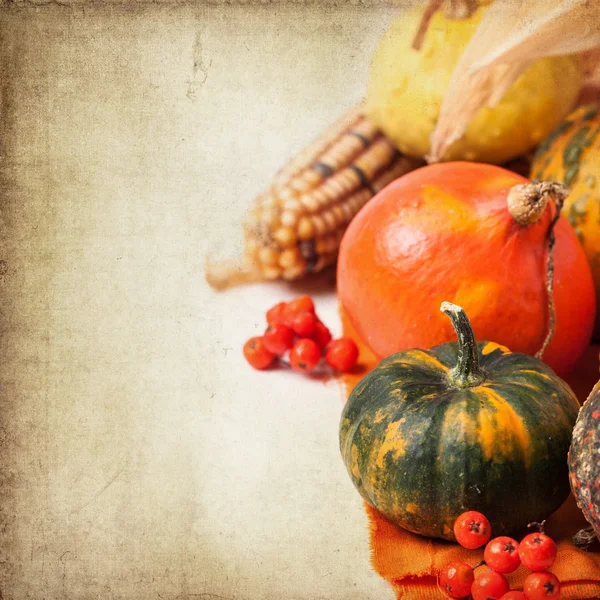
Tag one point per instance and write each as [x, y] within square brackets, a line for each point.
[501, 555]
[295, 331]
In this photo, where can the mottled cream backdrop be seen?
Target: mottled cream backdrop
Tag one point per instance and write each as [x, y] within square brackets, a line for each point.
[140, 456]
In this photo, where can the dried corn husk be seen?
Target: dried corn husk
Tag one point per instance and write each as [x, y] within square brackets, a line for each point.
[510, 36]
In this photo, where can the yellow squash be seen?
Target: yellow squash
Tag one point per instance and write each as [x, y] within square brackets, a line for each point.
[406, 89]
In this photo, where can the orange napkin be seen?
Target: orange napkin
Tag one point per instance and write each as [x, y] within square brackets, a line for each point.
[410, 562]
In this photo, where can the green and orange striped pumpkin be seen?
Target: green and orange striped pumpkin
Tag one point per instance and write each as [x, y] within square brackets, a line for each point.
[428, 435]
[571, 155]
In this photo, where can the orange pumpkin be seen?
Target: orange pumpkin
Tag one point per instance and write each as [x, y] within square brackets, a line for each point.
[445, 232]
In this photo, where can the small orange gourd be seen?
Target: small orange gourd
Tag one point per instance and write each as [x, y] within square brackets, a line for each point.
[445, 232]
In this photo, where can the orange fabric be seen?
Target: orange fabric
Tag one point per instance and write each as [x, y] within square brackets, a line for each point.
[410, 562]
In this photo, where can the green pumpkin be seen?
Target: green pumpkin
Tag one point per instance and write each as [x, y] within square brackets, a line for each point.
[428, 435]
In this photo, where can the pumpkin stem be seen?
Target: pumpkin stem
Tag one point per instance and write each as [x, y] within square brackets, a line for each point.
[527, 201]
[584, 538]
[432, 7]
[526, 204]
[540, 526]
[453, 9]
[467, 372]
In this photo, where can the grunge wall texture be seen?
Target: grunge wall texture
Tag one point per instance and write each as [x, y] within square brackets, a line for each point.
[132, 138]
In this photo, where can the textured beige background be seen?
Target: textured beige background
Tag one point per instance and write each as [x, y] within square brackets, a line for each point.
[140, 456]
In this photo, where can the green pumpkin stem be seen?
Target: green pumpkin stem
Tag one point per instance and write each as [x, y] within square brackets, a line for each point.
[467, 372]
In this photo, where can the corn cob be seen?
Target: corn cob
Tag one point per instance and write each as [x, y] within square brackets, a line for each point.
[296, 225]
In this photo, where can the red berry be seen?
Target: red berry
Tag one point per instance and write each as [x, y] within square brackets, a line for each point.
[502, 555]
[514, 595]
[537, 551]
[539, 586]
[472, 530]
[489, 585]
[456, 579]
[304, 324]
[298, 305]
[342, 354]
[279, 338]
[276, 314]
[322, 335]
[305, 355]
[257, 354]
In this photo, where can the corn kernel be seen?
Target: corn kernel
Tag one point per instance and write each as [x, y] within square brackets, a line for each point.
[289, 218]
[329, 219]
[293, 205]
[268, 256]
[290, 258]
[306, 229]
[269, 216]
[310, 201]
[270, 272]
[319, 225]
[285, 236]
[338, 214]
[294, 272]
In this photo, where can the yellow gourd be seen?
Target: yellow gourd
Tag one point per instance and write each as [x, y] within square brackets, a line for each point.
[407, 86]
